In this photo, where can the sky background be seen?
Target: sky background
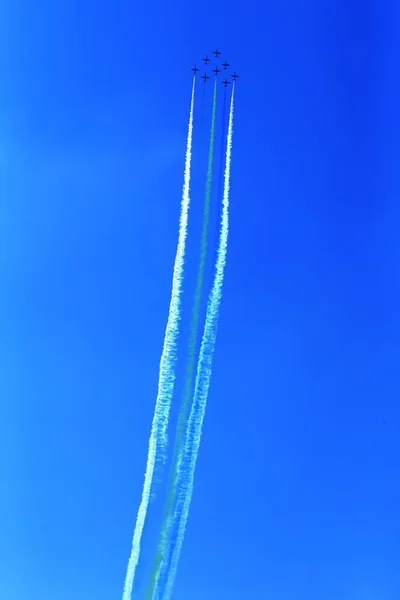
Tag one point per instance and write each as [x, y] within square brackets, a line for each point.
[297, 486]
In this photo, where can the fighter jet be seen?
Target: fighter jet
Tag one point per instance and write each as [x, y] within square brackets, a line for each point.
[234, 76]
[205, 77]
[216, 53]
[225, 65]
[206, 59]
[226, 82]
[216, 70]
[195, 69]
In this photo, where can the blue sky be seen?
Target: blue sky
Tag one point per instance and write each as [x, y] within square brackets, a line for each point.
[297, 486]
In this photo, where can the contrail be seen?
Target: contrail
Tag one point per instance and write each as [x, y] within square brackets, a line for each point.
[195, 423]
[191, 359]
[222, 148]
[221, 178]
[158, 437]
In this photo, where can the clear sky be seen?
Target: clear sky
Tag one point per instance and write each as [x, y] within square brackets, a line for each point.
[297, 488]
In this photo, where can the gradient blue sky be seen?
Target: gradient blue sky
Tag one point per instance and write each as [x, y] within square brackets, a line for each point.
[297, 487]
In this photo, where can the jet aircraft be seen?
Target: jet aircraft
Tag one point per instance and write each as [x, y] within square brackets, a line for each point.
[216, 53]
[206, 59]
[225, 65]
[226, 82]
[205, 77]
[216, 70]
[195, 69]
[234, 76]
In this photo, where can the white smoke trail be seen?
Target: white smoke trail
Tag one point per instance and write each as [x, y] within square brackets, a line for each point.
[203, 376]
[158, 437]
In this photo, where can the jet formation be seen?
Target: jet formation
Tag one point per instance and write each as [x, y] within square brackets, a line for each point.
[224, 67]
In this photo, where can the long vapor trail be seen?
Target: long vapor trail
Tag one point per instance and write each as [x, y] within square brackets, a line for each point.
[158, 437]
[165, 531]
[221, 172]
[204, 367]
